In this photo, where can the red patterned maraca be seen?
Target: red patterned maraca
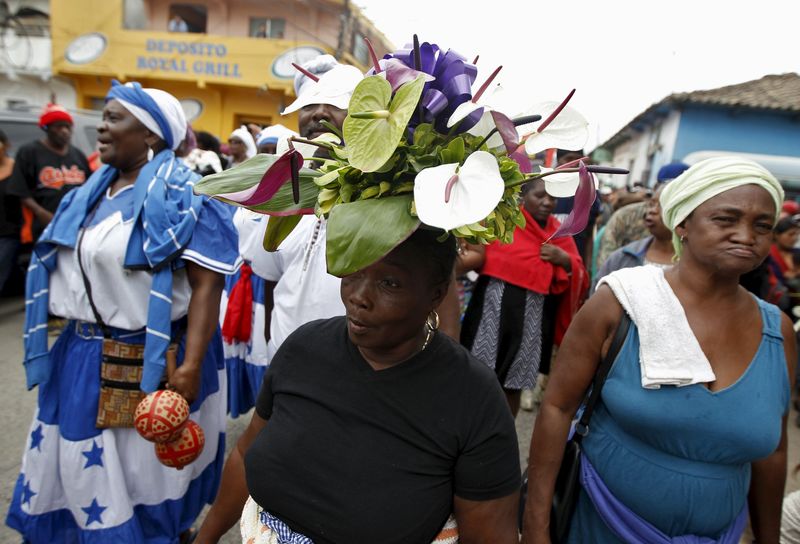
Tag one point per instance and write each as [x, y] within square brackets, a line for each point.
[161, 416]
[184, 449]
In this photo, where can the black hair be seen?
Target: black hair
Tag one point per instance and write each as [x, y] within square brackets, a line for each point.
[207, 141]
[527, 186]
[438, 255]
[4, 139]
[787, 223]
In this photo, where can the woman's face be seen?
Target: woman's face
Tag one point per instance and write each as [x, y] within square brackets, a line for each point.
[237, 147]
[538, 203]
[652, 219]
[788, 238]
[388, 302]
[121, 137]
[731, 232]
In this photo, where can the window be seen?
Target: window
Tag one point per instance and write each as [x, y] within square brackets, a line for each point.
[261, 27]
[360, 50]
[35, 22]
[187, 18]
[97, 103]
[134, 15]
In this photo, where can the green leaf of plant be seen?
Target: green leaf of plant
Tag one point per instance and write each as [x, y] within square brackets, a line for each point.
[278, 228]
[371, 142]
[249, 173]
[453, 153]
[362, 232]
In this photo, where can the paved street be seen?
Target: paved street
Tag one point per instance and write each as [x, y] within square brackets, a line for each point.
[17, 407]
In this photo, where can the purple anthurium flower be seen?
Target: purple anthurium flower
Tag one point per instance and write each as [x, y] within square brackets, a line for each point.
[524, 162]
[397, 73]
[506, 129]
[285, 168]
[394, 70]
[578, 218]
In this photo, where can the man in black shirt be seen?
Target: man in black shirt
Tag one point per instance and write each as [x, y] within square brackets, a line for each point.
[46, 169]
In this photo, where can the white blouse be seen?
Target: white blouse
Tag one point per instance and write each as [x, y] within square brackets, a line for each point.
[120, 295]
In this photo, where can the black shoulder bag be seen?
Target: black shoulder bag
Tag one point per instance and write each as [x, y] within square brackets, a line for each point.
[568, 486]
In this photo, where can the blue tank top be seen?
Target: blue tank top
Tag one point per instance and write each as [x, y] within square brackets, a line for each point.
[679, 457]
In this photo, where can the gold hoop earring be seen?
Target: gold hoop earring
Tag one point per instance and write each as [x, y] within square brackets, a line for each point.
[432, 322]
[683, 239]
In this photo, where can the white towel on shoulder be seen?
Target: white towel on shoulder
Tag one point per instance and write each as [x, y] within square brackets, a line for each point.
[669, 353]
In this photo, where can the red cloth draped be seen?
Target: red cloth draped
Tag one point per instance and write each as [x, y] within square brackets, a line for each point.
[519, 263]
[238, 323]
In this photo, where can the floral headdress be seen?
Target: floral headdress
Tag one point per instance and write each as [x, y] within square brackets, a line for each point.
[418, 148]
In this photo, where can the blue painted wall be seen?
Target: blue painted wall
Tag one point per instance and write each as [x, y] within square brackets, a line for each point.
[722, 129]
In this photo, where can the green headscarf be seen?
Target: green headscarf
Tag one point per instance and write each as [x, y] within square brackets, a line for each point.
[707, 179]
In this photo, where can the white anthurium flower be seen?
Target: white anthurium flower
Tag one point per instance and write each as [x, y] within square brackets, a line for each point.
[449, 197]
[484, 126]
[562, 185]
[491, 118]
[569, 130]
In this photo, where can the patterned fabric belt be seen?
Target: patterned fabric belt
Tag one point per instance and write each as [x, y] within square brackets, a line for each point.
[87, 331]
[282, 531]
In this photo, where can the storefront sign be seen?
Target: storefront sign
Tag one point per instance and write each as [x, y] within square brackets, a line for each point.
[196, 58]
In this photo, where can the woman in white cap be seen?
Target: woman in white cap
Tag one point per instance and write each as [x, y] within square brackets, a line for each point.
[242, 146]
[135, 261]
[690, 428]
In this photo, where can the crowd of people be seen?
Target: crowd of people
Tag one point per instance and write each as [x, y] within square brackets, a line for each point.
[372, 418]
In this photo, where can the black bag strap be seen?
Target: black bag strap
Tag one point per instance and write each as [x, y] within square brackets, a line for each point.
[582, 427]
[87, 285]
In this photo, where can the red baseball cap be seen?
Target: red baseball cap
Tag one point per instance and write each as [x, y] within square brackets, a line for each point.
[53, 113]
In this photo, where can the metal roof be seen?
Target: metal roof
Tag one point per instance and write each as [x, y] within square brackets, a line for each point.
[780, 92]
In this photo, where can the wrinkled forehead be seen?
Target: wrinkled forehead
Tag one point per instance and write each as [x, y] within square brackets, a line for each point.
[750, 198]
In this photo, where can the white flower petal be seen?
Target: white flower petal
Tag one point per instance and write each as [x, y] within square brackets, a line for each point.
[569, 130]
[476, 193]
[462, 111]
[484, 125]
[561, 185]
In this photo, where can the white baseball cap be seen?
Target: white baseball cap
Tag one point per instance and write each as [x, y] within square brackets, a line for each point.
[335, 87]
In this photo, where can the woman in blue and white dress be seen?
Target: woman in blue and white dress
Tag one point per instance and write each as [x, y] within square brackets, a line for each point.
[154, 255]
[243, 317]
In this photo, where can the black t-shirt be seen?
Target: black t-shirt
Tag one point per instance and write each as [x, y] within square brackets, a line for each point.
[354, 455]
[46, 176]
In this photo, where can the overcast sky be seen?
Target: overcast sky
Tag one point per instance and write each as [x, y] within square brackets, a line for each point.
[621, 56]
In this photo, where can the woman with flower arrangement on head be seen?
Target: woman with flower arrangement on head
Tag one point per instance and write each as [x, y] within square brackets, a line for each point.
[276, 292]
[374, 427]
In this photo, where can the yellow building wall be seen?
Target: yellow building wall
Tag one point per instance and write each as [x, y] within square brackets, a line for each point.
[236, 78]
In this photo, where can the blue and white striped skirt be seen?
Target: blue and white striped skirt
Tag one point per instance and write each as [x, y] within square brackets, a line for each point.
[82, 484]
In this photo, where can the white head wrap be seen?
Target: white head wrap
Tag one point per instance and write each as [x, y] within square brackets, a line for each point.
[707, 179]
[335, 85]
[171, 110]
[244, 135]
[274, 133]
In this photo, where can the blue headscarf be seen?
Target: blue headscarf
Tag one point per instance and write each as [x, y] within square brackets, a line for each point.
[158, 110]
[165, 214]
